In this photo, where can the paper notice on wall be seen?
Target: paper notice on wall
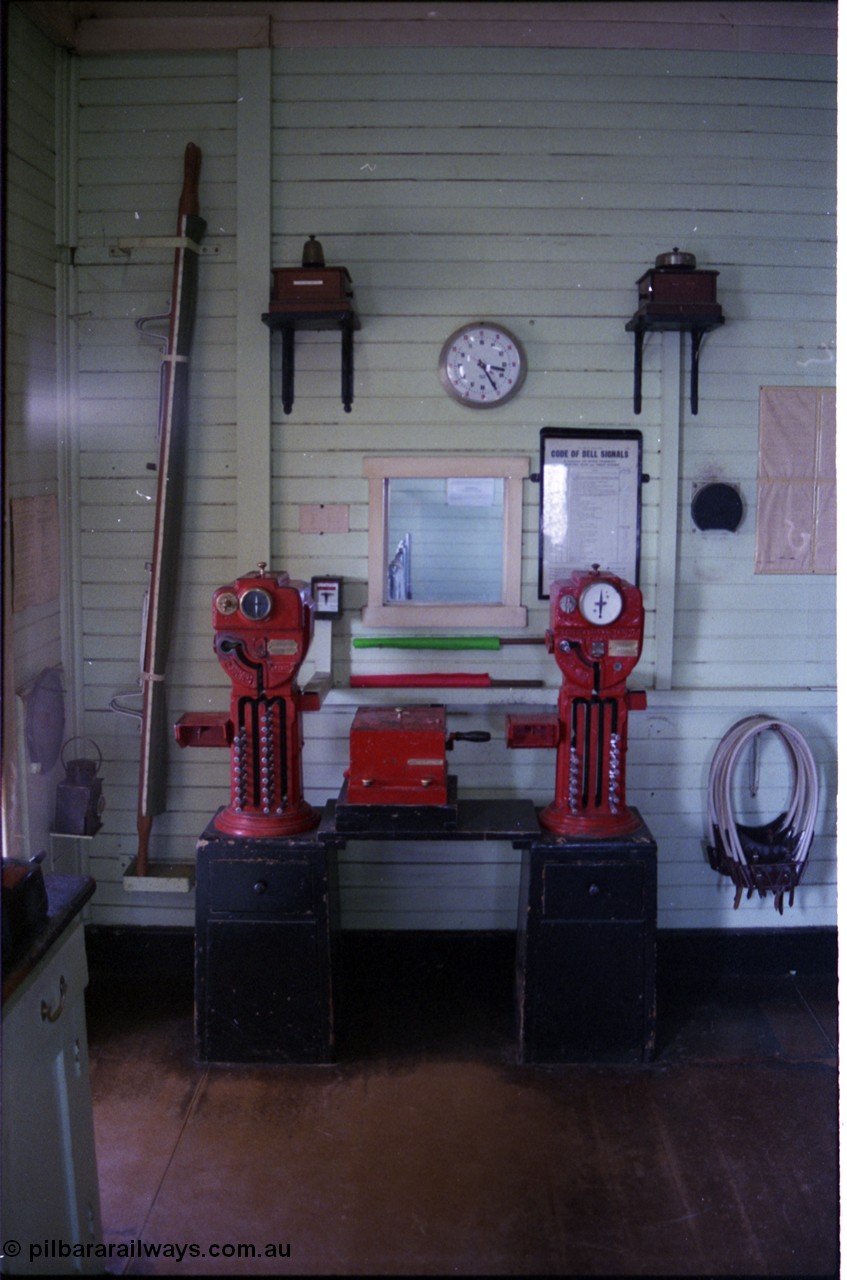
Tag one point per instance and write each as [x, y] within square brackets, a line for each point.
[324, 517]
[35, 550]
[795, 513]
[470, 491]
[590, 503]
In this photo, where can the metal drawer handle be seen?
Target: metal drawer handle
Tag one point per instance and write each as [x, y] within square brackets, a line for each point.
[261, 886]
[48, 1013]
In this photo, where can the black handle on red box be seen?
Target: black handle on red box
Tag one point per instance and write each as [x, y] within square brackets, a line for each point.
[472, 735]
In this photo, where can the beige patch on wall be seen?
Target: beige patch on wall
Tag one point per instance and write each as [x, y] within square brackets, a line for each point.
[795, 514]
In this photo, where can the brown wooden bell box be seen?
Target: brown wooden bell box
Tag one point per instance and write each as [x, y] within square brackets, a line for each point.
[310, 288]
[673, 290]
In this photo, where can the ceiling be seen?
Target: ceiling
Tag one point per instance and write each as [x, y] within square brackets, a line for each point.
[92, 27]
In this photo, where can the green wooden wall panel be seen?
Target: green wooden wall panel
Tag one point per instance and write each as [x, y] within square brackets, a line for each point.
[533, 186]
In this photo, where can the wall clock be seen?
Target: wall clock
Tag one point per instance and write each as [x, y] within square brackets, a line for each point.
[482, 365]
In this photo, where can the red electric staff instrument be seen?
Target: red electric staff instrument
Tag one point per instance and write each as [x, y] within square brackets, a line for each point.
[263, 624]
[596, 634]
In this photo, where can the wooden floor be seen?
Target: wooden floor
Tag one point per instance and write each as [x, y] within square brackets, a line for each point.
[425, 1149]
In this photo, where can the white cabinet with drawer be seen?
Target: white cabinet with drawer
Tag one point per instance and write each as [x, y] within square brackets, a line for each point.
[50, 1197]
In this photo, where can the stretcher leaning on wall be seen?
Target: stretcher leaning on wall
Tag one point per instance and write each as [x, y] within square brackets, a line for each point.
[159, 603]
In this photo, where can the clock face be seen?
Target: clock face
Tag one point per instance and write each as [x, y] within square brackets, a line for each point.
[601, 603]
[255, 604]
[482, 365]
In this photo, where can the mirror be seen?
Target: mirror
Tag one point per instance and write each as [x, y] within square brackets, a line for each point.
[427, 520]
[445, 533]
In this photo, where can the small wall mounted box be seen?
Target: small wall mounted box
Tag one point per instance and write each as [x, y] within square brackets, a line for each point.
[675, 296]
[669, 291]
[326, 593]
[310, 288]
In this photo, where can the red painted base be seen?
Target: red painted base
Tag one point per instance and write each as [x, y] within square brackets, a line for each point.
[559, 819]
[267, 826]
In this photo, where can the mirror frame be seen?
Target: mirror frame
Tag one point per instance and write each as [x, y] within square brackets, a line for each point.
[380, 470]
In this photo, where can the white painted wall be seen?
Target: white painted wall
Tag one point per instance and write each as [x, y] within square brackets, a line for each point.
[527, 185]
[30, 383]
[32, 634]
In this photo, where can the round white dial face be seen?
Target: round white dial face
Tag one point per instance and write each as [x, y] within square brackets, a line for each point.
[601, 603]
[482, 365]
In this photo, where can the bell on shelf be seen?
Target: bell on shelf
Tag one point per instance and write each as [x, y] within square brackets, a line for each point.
[313, 296]
[313, 253]
[675, 295]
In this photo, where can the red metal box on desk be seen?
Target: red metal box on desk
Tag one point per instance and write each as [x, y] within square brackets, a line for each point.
[397, 756]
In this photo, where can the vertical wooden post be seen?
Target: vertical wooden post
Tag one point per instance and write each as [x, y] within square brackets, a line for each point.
[668, 505]
[253, 274]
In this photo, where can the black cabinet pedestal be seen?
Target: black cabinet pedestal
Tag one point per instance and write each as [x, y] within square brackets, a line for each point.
[266, 922]
[263, 949]
[586, 969]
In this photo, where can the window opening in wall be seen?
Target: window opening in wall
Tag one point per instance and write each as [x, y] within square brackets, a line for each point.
[445, 541]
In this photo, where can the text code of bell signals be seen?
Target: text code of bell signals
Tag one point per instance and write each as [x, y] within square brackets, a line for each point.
[56, 1250]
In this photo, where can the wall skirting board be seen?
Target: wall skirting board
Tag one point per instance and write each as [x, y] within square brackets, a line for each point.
[116, 950]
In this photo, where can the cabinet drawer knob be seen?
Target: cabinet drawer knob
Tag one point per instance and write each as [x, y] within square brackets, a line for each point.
[593, 890]
[49, 1013]
[261, 886]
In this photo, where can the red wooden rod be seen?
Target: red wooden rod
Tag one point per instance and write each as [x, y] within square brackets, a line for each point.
[452, 680]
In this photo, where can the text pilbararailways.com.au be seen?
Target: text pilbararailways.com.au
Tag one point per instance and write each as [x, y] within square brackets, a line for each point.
[55, 1250]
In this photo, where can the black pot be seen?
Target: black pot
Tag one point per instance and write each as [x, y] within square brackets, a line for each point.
[24, 902]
